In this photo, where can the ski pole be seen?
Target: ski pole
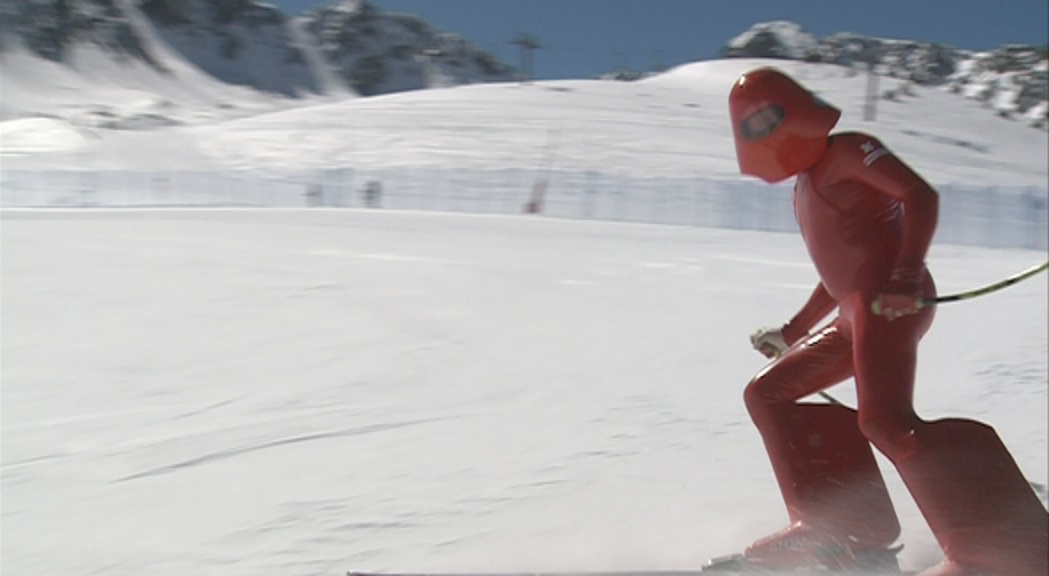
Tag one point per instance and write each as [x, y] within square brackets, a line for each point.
[830, 399]
[823, 393]
[967, 295]
[976, 292]
[989, 288]
[956, 298]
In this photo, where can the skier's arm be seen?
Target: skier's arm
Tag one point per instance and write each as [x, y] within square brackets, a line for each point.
[820, 304]
[875, 166]
[888, 174]
[773, 342]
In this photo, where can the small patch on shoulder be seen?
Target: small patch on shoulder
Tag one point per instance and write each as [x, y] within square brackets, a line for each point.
[872, 151]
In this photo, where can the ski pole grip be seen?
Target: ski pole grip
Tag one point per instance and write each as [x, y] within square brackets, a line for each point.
[922, 303]
[876, 307]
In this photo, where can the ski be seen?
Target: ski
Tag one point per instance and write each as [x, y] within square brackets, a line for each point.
[700, 572]
[728, 565]
[717, 567]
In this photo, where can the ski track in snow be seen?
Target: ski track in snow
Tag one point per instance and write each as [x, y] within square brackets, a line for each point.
[255, 447]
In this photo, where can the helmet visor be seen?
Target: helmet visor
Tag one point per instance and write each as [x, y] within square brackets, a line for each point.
[762, 122]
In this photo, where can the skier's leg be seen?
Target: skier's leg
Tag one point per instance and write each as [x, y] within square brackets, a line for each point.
[824, 466]
[979, 506]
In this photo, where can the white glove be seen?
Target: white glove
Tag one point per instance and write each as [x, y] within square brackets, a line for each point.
[769, 341]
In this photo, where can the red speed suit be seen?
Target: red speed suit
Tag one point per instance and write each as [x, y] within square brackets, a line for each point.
[867, 221]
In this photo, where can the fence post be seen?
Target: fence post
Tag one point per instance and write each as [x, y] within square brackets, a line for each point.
[1038, 212]
[587, 208]
[698, 204]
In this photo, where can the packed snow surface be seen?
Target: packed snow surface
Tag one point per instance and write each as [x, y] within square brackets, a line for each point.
[306, 392]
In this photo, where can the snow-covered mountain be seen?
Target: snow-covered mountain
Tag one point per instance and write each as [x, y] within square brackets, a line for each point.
[52, 30]
[246, 43]
[348, 46]
[1013, 80]
[378, 53]
[238, 54]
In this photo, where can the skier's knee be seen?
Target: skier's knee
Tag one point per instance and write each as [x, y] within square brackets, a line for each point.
[893, 435]
[759, 396]
[752, 396]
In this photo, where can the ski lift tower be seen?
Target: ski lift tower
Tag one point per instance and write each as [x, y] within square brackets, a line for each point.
[426, 58]
[527, 43]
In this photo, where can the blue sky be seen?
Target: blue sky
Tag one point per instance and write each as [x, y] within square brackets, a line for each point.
[582, 38]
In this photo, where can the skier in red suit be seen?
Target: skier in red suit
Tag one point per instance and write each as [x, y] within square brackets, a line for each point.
[867, 221]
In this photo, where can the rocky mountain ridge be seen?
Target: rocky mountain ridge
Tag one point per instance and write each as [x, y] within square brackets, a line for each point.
[351, 46]
[1013, 80]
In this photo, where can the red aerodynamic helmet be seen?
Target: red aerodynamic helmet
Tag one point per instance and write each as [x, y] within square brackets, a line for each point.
[781, 128]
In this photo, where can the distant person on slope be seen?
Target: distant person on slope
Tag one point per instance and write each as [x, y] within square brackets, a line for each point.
[867, 221]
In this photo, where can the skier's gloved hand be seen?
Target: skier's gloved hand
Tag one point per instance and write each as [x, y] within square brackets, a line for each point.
[902, 295]
[769, 341]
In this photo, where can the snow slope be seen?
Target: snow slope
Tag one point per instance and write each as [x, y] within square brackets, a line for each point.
[305, 392]
[672, 125]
